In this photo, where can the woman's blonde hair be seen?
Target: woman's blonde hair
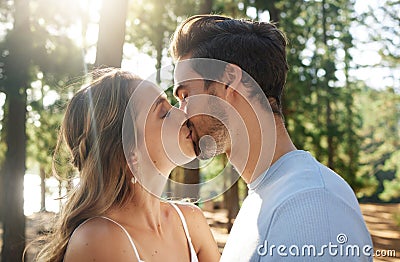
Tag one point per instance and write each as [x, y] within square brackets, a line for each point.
[92, 130]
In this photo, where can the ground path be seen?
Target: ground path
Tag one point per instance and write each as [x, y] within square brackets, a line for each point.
[379, 218]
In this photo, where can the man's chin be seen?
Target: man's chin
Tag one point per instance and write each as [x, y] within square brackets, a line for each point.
[202, 155]
[207, 154]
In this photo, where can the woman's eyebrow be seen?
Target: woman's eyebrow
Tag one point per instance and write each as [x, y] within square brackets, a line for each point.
[161, 99]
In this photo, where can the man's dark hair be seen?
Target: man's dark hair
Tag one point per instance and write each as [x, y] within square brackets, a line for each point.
[258, 48]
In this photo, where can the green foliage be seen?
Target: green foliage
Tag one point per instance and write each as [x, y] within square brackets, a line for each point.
[380, 146]
[151, 24]
[387, 20]
[55, 59]
[320, 112]
[380, 24]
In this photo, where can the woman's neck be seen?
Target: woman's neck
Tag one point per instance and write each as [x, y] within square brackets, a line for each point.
[143, 210]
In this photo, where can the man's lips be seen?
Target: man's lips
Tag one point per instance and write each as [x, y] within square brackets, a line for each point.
[195, 146]
[196, 149]
[192, 135]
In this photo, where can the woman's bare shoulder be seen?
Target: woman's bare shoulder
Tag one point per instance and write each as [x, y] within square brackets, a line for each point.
[99, 239]
[190, 210]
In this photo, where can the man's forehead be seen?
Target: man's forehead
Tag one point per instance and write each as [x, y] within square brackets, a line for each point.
[184, 72]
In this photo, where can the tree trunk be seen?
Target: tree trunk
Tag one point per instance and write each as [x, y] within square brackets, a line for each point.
[3, 137]
[13, 218]
[60, 185]
[159, 49]
[17, 71]
[2, 196]
[192, 176]
[231, 198]
[329, 125]
[42, 190]
[206, 7]
[351, 145]
[273, 12]
[111, 33]
[177, 176]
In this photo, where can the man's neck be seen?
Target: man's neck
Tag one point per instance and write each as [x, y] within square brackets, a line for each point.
[267, 141]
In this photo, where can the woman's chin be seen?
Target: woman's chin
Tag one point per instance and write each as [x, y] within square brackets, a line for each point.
[188, 156]
[187, 150]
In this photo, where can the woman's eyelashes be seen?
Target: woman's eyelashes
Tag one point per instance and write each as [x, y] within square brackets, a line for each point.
[168, 112]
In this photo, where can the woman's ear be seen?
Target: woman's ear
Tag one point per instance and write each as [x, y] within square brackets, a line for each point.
[233, 76]
[132, 160]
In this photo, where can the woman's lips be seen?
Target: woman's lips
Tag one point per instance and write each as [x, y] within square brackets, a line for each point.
[189, 136]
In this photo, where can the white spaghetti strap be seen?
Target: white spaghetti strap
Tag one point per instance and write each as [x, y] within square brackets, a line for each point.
[127, 234]
[185, 228]
[193, 255]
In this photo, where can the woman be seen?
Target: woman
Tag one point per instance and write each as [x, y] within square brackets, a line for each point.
[114, 129]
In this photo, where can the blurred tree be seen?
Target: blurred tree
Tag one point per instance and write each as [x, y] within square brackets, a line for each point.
[16, 68]
[206, 7]
[320, 62]
[6, 18]
[379, 150]
[233, 8]
[382, 25]
[261, 6]
[151, 24]
[55, 59]
[387, 20]
[111, 33]
[192, 176]
[231, 196]
[381, 129]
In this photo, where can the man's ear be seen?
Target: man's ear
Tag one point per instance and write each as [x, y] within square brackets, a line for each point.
[233, 78]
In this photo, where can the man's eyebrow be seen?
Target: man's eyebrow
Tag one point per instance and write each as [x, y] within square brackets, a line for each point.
[178, 87]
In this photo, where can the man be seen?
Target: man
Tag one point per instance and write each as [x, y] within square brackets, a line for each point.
[297, 209]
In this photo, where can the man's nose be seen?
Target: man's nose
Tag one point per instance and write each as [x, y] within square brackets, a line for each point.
[183, 106]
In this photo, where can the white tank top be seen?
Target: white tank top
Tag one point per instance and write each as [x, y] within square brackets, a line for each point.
[193, 256]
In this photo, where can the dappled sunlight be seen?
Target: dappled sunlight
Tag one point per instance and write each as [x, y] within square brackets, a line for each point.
[341, 98]
[32, 194]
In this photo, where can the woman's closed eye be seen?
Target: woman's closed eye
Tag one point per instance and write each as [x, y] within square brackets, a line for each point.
[166, 114]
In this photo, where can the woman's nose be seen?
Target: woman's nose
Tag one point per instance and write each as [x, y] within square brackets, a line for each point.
[183, 106]
[180, 115]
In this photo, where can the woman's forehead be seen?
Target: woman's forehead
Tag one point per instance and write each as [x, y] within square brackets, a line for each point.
[146, 94]
[144, 98]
